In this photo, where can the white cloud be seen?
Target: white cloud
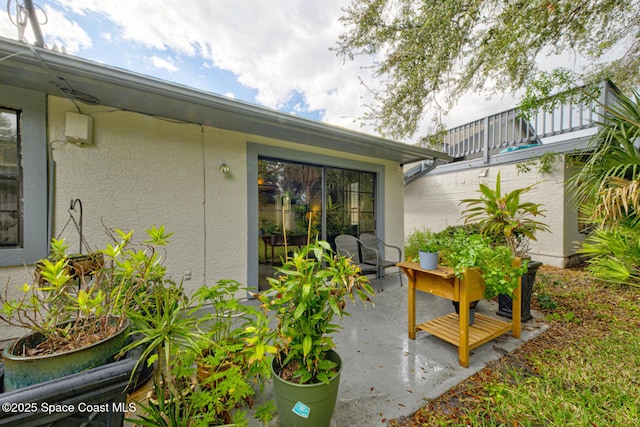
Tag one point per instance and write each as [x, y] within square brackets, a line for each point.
[65, 33]
[60, 31]
[276, 48]
[163, 64]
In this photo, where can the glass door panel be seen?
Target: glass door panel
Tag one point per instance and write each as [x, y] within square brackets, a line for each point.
[289, 209]
[290, 203]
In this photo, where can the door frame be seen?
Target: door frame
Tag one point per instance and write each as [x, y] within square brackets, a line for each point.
[256, 150]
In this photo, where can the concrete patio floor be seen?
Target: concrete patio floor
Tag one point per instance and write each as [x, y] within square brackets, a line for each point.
[386, 375]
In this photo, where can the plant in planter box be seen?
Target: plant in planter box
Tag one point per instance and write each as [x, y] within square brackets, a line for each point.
[312, 288]
[72, 314]
[462, 251]
[513, 222]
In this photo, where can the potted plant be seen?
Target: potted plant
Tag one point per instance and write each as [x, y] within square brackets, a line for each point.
[515, 223]
[428, 253]
[497, 267]
[77, 315]
[71, 314]
[415, 240]
[311, 288]
[204, 348]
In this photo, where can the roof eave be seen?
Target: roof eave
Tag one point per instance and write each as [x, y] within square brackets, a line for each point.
[124, 89]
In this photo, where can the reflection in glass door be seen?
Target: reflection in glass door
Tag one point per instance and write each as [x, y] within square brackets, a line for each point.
[350, 202]
[303, 201]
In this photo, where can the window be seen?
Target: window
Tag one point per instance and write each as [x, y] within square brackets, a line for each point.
[351, 202]
[10, 180]
[24, 218]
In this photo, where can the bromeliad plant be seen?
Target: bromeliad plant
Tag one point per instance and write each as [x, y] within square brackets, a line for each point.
[311, 289]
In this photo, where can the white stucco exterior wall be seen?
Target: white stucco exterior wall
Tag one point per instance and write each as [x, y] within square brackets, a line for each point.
[433, 202]
[142, 171]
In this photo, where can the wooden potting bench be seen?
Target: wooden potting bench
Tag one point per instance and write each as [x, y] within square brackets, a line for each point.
[453, 328]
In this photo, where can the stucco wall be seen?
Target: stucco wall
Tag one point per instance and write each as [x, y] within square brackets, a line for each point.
[142, 171]
[433, 202]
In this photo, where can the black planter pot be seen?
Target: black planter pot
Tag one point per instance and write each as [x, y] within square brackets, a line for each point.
[472, 309]
[505, 303]
[96, 397]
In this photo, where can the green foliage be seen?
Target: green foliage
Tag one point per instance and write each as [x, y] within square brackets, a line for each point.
[607, 190]
[163, 329]
[163, 411]
[265, 412]
[614, 254]
[505, 215]
[311, 288]
[546, 302]
[425, 49]
[420, 240]
[224, 389]
[431, 245]
[462, 251]
[89, 290]
[543, 164]
[212, 331]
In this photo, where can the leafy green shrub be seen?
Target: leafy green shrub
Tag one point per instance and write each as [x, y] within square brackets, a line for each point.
[461, 251]
[416, 240]
[312, 288]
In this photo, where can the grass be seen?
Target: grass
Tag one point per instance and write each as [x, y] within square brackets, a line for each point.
[582, 371]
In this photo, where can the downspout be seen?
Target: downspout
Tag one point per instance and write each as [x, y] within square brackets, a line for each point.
[50, 197]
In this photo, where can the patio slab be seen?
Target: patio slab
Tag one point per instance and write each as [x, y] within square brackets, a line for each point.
[386, 375]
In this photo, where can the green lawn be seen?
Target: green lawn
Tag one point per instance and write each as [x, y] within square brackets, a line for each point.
[583, 371]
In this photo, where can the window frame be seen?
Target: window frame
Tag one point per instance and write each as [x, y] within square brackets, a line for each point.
[33, 134]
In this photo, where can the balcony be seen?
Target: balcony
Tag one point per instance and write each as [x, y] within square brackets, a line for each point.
[504, 137]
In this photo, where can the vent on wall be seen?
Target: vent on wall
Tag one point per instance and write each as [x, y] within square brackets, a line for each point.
[79, 128]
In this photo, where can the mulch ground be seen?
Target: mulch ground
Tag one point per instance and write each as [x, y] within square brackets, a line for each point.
[584, 308]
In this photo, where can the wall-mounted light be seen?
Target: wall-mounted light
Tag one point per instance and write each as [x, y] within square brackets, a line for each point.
[224, 169]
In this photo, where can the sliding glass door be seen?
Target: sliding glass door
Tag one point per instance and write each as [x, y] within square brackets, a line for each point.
[298, 202]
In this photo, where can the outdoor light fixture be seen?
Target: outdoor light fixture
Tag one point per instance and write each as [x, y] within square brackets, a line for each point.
[224, 169]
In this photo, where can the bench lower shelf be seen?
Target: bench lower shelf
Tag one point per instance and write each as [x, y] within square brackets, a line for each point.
[447, 327]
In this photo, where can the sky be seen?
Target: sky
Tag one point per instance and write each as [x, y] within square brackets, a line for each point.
[275, 54]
